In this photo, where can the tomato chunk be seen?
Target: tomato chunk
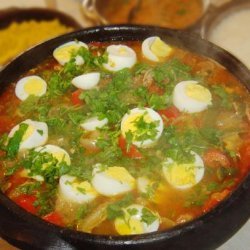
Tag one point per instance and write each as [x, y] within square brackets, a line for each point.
[75, 97]
[169, 114]
[27, 202]
[153, 88]
[54, 218]
[133, 152]
[214, 158]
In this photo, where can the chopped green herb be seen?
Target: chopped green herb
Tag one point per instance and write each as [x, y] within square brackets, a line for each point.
[226, 98]
[144, 130]
[45, 200]
[81, 190]
[29, 188]
[115, 209]
[148, 217]
[82, 211]
[15, 141]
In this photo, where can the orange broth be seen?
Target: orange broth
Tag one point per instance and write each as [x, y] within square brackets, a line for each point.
[217, 137]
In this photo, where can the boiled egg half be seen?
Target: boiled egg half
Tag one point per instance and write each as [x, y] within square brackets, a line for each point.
[35, 135]
[86, 81]
[145, 185]
[184, 175]
[144, 124]
[191, 97]
[120, 57]
[135, 222]
[64, 52]
[30, 85]
[57, 152]
[112, 181]
[153, 48]
[74, 190]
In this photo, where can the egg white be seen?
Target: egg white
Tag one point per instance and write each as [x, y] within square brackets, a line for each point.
[36, 135]
[30, 85]
[93, 123]
[86, 81]
[79, 60]
[135, 113]
[76, 191]
[108, 185]
[185, 103]
[198, 171]
[133, 224]
[120, 57]
[143, 183]
[147, 50]
[63, 53]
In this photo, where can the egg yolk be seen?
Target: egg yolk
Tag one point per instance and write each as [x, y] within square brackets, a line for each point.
[60, 156]
[198, 92]
[64, 53]
[112, 63]
[181, 174]
[122, 51]
[33, 87]
[159, 48]
[128, 226]
[83, 187]
[120, 174]
[130, 123]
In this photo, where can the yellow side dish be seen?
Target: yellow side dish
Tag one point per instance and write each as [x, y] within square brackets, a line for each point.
[18, 37]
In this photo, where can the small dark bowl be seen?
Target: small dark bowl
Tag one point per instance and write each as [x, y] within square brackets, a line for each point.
[10, 15]
[206, 232]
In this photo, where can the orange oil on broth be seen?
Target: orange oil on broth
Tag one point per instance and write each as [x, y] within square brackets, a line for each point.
[169, 202]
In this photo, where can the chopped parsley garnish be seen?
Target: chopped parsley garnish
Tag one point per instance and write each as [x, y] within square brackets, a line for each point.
[29, 188]
[15, 141]
[144, 130]
[170, 73]
[115, 210]
[148, 217]
[82, 211]
[46, 199]
[225, 97]
[45, 165]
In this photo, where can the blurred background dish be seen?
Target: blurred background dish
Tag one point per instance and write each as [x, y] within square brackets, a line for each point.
[25, 23]
[21, 29]
[227, 26]
[178, 14]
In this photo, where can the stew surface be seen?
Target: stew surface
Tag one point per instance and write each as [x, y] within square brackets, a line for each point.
[123, 138]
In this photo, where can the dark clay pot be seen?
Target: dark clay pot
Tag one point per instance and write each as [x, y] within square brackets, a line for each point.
[206, 232]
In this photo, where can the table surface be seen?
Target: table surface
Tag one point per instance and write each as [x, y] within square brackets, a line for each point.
[241, 240]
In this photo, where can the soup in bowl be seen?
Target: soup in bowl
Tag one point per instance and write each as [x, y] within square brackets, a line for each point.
[123, 136]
